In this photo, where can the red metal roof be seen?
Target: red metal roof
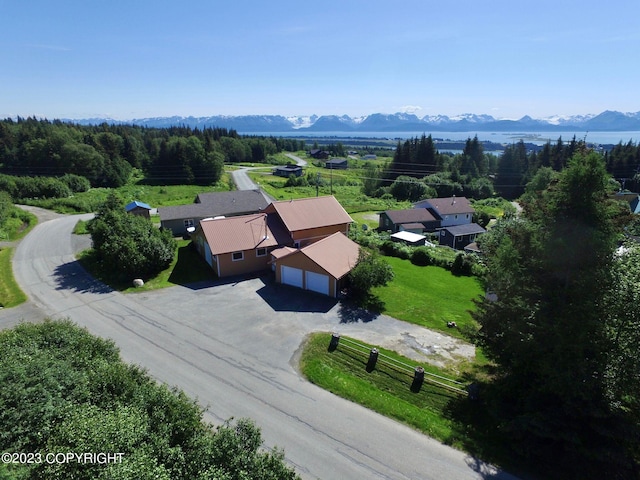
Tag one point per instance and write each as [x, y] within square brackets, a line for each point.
[246, 232]
[306, 213]
[336, 254]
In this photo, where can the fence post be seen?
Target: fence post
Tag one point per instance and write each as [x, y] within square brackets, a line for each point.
[418, 379]
[333, 343]
[373, 359]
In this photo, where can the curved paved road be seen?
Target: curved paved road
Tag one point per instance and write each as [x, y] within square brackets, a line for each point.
[233, 346]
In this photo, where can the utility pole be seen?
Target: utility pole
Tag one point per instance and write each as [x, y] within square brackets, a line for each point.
[331, 177]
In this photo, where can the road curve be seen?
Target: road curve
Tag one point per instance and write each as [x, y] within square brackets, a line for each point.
[232, 346]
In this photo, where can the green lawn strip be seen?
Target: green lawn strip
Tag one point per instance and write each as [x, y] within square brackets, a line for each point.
[17, 225]
[384, 390]
[429, 296]
[10, 293]
[446, 416]
[187, 267]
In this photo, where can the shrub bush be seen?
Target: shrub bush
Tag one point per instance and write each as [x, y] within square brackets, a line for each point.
[421, 256]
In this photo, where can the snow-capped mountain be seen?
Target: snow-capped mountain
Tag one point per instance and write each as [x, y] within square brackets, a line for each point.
[396, 122]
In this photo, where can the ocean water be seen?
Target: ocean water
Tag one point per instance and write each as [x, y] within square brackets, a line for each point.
[536, 137]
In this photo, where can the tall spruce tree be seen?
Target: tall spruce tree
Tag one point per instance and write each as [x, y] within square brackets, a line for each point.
[547, 331]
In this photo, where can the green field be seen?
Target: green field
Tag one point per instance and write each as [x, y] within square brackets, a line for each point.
[449, 417]
[429, 296]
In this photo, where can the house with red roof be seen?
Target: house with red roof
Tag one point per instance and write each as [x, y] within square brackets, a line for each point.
[304, 241]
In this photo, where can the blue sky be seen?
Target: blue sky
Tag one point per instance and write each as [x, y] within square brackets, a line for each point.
[136, 59]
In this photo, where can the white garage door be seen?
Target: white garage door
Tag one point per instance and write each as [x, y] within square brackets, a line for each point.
[317, 282]
[291, 276]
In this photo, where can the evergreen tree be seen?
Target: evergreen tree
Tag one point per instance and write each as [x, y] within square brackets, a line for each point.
[547, 332]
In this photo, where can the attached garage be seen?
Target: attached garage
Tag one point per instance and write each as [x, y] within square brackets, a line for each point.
[291, 276]
[317, 282]
[320, 267]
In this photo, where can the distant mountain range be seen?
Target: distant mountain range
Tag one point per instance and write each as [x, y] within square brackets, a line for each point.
[611, 121]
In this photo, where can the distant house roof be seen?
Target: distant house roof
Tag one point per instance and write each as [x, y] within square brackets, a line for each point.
[412, 215]
[287, 169]
[245, 232]
[447, 206]
[307, 213]
[317, 153]
[236, 200]
[336, 162]
[136, 204]
[214, 204]
[336, 254]
[412, 226]
[466, 229]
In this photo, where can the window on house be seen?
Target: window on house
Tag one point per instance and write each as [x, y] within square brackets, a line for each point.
[235, 256]
[261, 252]
[188, 223]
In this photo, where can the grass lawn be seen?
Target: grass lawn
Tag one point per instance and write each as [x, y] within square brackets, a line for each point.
[428, 296]
[449, 417]
[10, 293]
[187, 267]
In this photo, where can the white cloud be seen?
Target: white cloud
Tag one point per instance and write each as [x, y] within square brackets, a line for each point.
[410, 109]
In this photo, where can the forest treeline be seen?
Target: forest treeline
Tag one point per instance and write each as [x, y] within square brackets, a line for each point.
[419, 169]
[106, 154]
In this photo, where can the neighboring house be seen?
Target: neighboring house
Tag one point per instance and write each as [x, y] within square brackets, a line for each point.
[369, 157]
[138, 208]
[450, 211]
[288, 170]
[239, 245]
[208, 205]
[321, 267]
[311, 219]
[416, 220]
[459, 236]
[319, 154]
[337, 164]
[630, 198]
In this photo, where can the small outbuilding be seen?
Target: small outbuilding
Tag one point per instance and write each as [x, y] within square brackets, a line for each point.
[138, 208]
[410, 238]
[336, 164]
[288, 170]
[459, 236]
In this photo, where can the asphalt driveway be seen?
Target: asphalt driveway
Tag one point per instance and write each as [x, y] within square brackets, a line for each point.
[232, 346]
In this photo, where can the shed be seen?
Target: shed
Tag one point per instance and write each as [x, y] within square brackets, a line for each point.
[336, 164]
[288, 170]
[138, 208]
[409, 238]
[459, 236]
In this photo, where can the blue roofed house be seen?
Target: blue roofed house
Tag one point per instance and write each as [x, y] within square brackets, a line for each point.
[138, 208]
